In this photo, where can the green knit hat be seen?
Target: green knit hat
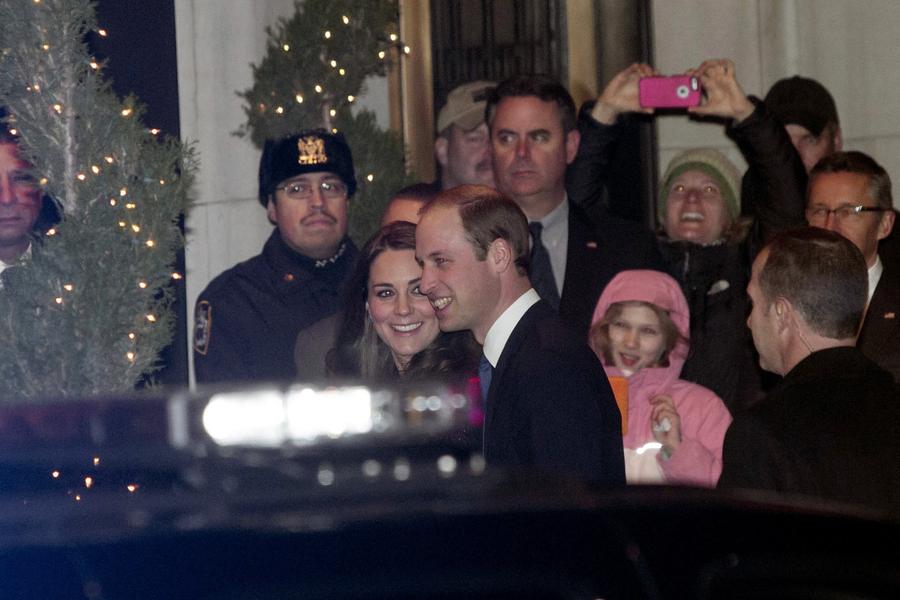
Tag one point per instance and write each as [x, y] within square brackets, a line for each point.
[709, 161]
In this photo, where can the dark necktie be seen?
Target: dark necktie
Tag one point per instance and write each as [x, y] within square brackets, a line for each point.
[541, 270]
[485, 371]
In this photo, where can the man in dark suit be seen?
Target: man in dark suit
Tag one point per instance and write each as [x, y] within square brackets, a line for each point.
[850, 194]
[532, 121]
[831, 427]
[548, 405]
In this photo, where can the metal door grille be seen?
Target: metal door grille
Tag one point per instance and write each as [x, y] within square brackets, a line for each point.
[494, 39]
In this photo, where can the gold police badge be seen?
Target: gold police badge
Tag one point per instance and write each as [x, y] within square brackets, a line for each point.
[311, 150]
[202, 326]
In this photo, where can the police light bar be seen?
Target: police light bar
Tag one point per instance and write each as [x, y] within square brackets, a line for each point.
[303, 415]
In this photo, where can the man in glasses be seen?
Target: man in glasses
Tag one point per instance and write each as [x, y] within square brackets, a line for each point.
[850, 194]
[247, 319]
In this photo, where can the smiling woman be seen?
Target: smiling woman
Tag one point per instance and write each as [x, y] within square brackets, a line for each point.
[389, 328]
[705, 243]
[401, 315]
[698, 197]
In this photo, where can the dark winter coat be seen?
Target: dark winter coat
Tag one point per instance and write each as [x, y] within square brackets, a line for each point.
[247, 319]
[830, 429]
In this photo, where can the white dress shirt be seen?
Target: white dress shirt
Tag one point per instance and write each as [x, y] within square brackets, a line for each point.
[499, 333]
[875, 272]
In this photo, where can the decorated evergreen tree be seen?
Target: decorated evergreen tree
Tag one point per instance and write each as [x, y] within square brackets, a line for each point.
[312, 75]
[90, 310]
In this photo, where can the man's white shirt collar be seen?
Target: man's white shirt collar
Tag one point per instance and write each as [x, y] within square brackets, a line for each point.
[557, 216]
[24, 256]
[499, 333]
[875, 272]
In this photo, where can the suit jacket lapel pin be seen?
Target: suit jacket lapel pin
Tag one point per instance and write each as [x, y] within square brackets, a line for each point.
[889, 315]
[592, 245]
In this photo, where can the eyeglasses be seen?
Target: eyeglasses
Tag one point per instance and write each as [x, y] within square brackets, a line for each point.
[303, 190]
[819, 214]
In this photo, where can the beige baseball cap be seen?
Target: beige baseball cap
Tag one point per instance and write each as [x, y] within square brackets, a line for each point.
[465, 106]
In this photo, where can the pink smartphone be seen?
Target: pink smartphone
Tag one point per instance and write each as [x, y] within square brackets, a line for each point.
[676, 91]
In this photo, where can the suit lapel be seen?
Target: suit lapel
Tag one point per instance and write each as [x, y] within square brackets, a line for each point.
[882, 321]
[510, 350]
[581, 258]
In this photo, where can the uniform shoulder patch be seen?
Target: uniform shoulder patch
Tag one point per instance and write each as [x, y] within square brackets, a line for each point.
[202, 326]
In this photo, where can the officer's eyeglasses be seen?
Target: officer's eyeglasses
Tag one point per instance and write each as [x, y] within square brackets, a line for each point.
[819, 214]
[303, 190]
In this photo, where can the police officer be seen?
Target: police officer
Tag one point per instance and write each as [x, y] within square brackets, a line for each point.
[247, 318]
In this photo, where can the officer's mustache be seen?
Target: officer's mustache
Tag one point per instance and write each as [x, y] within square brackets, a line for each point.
[318, 213]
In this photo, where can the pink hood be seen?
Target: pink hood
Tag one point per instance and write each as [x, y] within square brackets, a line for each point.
[703, 416]
[656, 288]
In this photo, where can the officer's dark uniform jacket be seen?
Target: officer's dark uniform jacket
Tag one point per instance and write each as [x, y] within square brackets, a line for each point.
[247, 319]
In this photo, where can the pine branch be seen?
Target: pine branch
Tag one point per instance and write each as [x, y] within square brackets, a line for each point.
[311, 76]
[68, 200]
[90, 310]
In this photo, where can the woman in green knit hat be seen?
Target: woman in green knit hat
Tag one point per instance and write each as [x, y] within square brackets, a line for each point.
[698, 197]
[704, 244]
[708, 246]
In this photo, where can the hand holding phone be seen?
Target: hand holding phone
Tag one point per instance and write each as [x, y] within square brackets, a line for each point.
[675, 91]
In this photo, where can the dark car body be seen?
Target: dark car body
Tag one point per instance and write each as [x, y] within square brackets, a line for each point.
[103, 499]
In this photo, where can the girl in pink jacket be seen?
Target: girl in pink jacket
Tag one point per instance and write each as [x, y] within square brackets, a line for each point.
[675, 428]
